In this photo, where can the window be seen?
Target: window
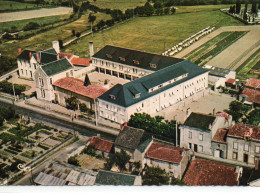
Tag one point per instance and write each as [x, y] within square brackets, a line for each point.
[120, 67]
[201, 137]
[43, 93]
[170, 165]
[246, 147]
[106, 106]
[108, 56]
[122, 59]
[67, 74]
[190, 134]
[257, 149]
[112, 97]
[50, 80]
[153, 65]
[160, 86]
[136, 62]
[200, 148]
[190, 145]
[71, 73]
[234, 155]
[235, 145]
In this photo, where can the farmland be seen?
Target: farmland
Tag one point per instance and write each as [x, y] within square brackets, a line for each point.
[14, 5]
[213, 47]
[149, 33]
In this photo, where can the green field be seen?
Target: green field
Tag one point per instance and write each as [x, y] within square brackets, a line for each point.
[213, 47]
[7, 26]
[43, 40]
[13, 6]
[118, 4]
[148, 33]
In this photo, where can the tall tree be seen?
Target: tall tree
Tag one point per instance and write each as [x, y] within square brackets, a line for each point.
[245, 15]
[148, 9]
[238, 6]
[155, 176]
[254, 7]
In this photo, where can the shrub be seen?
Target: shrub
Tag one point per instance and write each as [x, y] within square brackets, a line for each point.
[73, 160]
[31, 26]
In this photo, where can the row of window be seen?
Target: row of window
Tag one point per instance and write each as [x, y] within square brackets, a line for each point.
[26, 73]
[246, 147]
[196, 148]
[23, 63]
[200, 136]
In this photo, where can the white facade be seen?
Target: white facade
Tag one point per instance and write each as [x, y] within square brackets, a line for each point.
[199, 140]
[27, 68]
[43, 83]
[172, 96]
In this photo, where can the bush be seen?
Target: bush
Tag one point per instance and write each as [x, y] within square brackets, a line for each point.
[73, 160]
[89, 150]
[7, 87]
[31, 26]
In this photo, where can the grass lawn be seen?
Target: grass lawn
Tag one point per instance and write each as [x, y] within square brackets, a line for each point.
[6, 26]
[148, 33]
[118, 4]
[213, 47]
[43, 40]
[13, 5]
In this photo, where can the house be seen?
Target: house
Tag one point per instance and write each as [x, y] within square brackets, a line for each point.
[173, 159]
[59, 174]
[167, 82]
[116, 179]
[210, 173]
[47, 74]
[102, 146]
[230, 83]
[129, 139]
[251, 94]
[199, 129]
[219, 76]
[219, 143]
[29, 60]
[83, 91]
[243, 143]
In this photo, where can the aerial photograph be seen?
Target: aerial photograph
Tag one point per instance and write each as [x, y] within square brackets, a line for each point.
[129, 93]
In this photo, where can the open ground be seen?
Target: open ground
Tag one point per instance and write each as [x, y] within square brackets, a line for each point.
[21, 15]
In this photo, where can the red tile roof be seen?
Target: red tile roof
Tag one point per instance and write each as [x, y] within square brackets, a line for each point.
[100, 144]
[164, 152]
[77, 86]
[242, 130]
[80, 61]
[252, 94]
[220, 135]
[253, 82]
[230, 81]
[68, 55]
[205, 173]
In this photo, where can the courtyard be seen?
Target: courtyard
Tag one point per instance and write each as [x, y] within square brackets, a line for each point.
[210, 103]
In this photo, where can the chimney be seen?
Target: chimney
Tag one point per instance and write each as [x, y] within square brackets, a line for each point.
[37, 57]
[19, 51]
[56, 46]
[58, 56]
[91, 49]
[30, 55]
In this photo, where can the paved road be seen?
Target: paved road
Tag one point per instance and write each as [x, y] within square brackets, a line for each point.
[21, 15]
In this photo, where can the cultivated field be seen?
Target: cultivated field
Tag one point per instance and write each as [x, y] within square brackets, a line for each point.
[213, 47]
[149, 33]
[13, 5]
[118, 4]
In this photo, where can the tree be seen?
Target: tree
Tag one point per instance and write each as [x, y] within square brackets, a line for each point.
[71, 103]
[73, 32]
[254, 117]
[173, 10]
[155, 176]
[148, 9]
[157, 5]
[31, 26]
[91, 18]
[176, 181]
[237, 110]
[120, 159]
[238, 6]
[101, 24]
[166, 11]
[73, 160]
[78, 34]
[254, 7]
[245, 15]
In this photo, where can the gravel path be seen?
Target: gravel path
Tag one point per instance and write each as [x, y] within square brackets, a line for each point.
[21, 15]
[239, 51]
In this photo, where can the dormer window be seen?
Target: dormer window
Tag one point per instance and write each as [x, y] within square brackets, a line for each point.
[108, 56]
[112, 97]
[153, 65]
[122, 59]
[136, 62]
[137, 95]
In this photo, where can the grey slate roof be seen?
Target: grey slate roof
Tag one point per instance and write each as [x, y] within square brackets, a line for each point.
[144, 58]
[142, 146]
[129, 138]
[113, 178]
[46, 58]
[198, 120]
[216, 71]
[25, 54]
[57, 66]
[124, 94]
[51, 51]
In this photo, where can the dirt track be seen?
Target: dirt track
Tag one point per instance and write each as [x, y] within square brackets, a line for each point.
[234, 55]
[21, 15]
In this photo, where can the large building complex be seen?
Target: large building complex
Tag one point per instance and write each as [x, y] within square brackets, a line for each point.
[158, 82]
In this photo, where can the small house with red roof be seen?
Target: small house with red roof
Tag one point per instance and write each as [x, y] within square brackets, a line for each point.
[102, 146]
[251, 94]
[211, 173]
[166, 156]
[243, 143]
[69, 86]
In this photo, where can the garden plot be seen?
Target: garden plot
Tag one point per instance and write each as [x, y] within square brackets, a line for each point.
[213, 47]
